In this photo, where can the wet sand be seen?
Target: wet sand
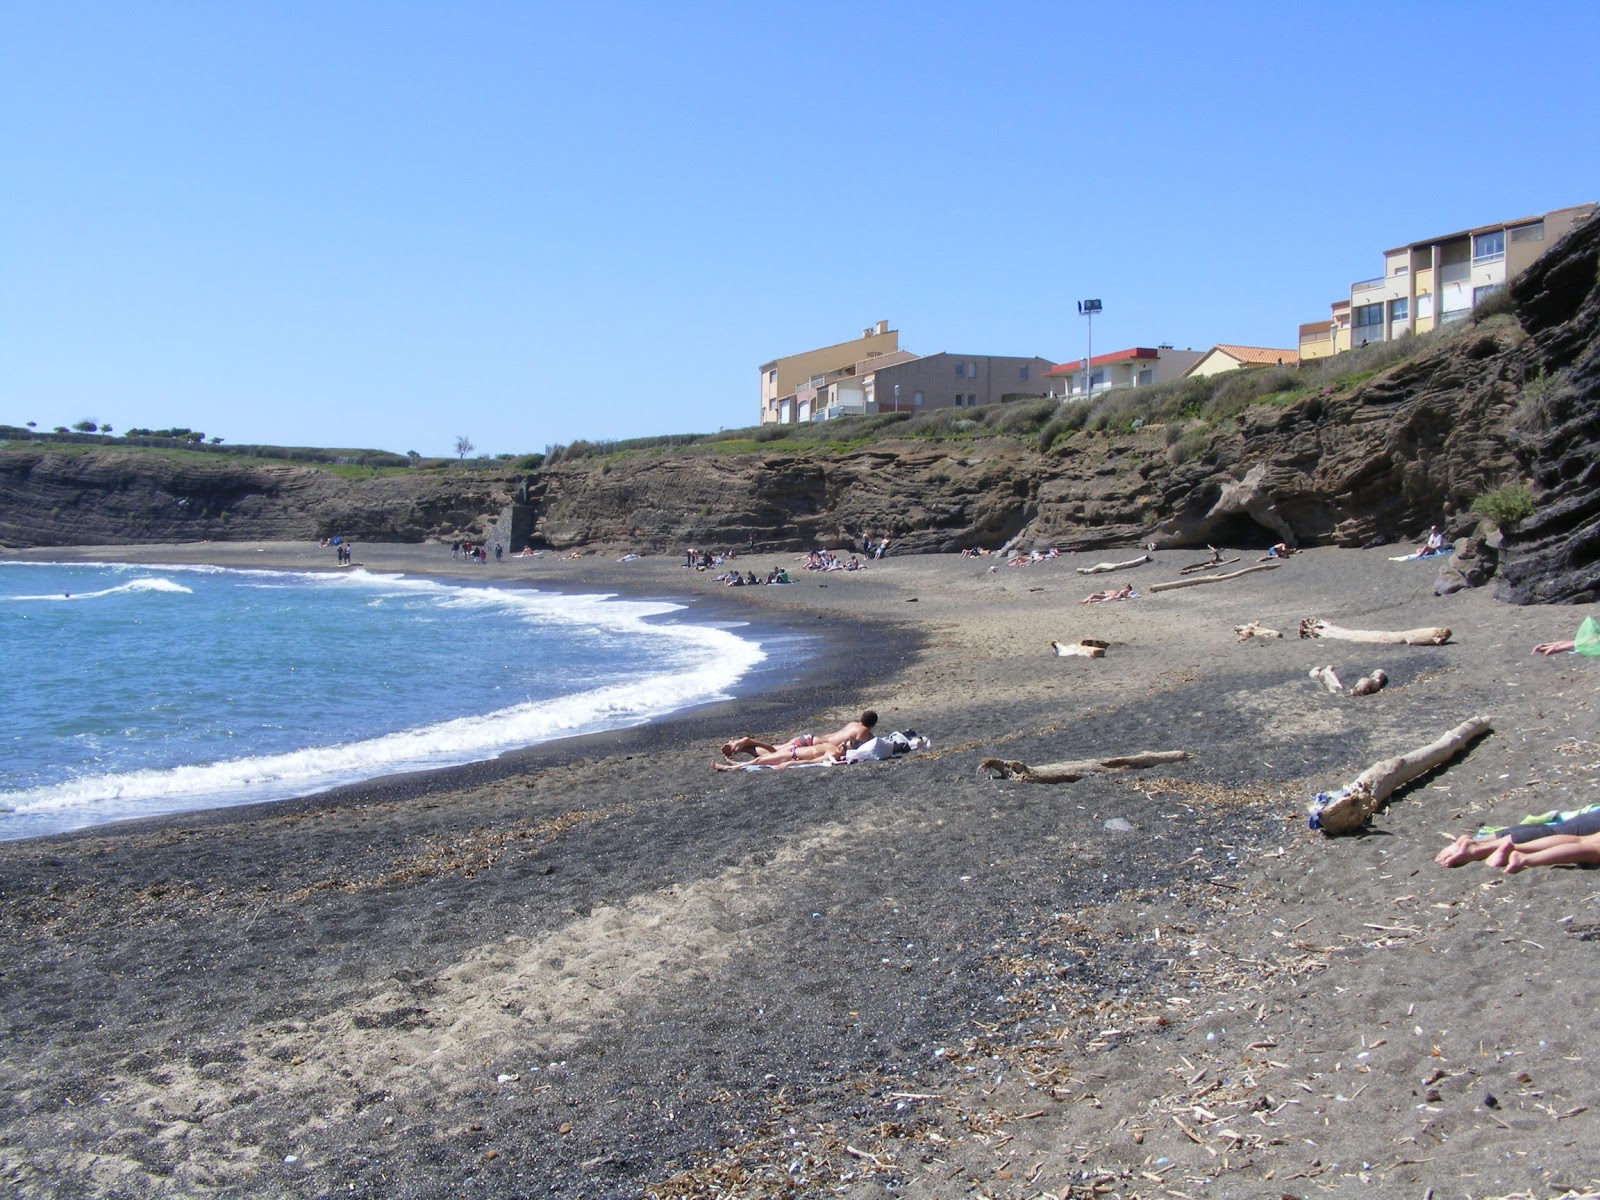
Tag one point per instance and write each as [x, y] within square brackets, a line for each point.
[601, 969]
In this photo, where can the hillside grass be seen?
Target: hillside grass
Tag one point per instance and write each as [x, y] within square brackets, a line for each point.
[1190, 407]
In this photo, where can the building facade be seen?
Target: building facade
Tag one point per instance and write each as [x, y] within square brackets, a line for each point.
[1222, 358]
[1138, 366]
[783, 380]
[945, 380]
[1439, 280]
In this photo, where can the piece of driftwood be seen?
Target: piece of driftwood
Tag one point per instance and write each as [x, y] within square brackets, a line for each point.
[1082, 648]
[1102, 568]
[1067, 772]
[1208, 564]
[1326, 677]
[1348, 809]
[1254, 629]
[1313, 627]
[1182, 583]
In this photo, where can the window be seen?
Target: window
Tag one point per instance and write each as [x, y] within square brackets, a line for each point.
[961, 370]
[1399, 310]
[1480, 294]
[1486, 247]
[1146, 377]
[1424, 306]
[972, 370]
[1022, 374]
[1367, 315]
[916, 399]
[1528, 233]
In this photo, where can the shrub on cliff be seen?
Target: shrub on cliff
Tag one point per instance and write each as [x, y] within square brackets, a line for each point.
[1505, 506]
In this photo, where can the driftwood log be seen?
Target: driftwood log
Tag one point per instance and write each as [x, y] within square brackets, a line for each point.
[1254, 629]
[1348, 809]
[1183, 583]
[1082, 648]
[1067, 772]
[1210, 564]
[1312, 627]
[1102, 568]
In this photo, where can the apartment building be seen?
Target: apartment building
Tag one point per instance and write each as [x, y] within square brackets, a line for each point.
[1437, 280]
[790, 385]
[941, 380]
[1137, 366]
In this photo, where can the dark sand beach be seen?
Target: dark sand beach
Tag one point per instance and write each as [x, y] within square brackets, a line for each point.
[600, 969]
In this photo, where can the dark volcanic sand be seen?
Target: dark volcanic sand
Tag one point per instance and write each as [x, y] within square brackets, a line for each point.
[600, 969]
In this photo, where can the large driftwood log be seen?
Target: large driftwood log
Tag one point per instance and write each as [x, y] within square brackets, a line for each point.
[1255, 629]
[1182, 583]
[1312, 627]
[1067, 772]
[1102, 568]
[1349, 808]
[1082, 648]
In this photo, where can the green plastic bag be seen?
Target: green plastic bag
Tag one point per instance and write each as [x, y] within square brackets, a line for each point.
[1588, 639]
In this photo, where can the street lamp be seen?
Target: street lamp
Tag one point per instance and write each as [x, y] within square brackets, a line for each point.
[1087, 309]
[897, 397]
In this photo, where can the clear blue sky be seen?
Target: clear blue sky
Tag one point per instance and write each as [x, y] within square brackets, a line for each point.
[390, 224]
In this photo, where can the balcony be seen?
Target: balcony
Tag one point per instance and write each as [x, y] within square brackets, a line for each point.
[1367, 285]
[1458, 272]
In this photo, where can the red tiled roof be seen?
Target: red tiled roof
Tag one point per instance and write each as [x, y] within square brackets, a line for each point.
[1259, 355]
[1101, 360]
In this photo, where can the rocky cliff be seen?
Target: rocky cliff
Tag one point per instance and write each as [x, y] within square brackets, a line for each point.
[1495, 401]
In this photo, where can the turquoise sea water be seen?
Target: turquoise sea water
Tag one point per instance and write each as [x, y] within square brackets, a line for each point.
[136, 691]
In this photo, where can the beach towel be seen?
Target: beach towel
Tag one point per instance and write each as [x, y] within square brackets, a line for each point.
[1419, 554]
[1542, 820]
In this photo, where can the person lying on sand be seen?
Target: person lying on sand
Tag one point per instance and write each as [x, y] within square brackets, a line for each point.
[1281, 550]
[1549, 648]
[1477, 847]
[789, 756]
[1555, 850]
[846, 737]
[1125, 592]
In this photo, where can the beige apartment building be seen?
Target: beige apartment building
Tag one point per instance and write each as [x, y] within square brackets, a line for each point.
[790, 385]
[1436, 281]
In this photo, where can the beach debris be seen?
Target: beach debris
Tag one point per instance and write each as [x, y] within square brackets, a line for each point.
[1171, 584]
[1068, 772]
[1102, 568]
[1315, 627]
[1348, 809]
[1255, 629]
[1082, 648]
[1119, 825]
[1209, 564]
[1326, 677]
[1370, 683]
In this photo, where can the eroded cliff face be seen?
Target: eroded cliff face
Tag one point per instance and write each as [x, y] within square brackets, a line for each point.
[1554, 556]
[53, 496]
[1493, 403]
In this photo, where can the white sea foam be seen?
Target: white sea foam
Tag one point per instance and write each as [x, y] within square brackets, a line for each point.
[133, 585]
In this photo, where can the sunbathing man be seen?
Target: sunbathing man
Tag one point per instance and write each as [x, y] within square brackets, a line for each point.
[1554, 850]
[1279, 550]
[847, 737]
[1124, 592]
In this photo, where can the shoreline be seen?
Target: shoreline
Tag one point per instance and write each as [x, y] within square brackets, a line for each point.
[613, 970]
[755, 694]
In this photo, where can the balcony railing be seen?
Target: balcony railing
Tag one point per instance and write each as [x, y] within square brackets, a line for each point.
[1366, 285]
[1455, 272]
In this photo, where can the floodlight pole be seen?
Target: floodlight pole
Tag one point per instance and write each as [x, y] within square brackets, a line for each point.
[1088, 308]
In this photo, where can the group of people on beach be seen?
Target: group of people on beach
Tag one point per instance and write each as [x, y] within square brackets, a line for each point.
[478, 552]
[749, 578]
